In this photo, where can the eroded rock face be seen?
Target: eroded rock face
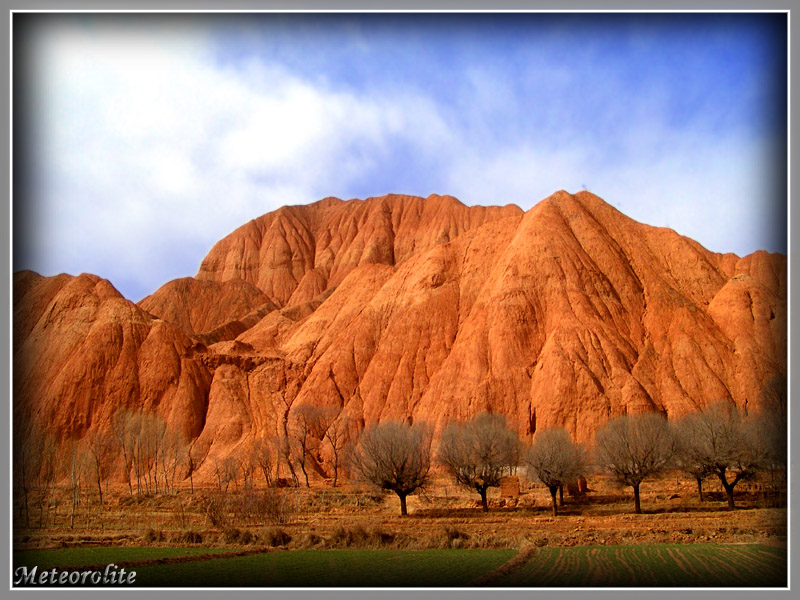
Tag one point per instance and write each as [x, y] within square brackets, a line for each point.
[198, 306]
[83, 352]
[420, 309]
[568, 315]
[296, 252]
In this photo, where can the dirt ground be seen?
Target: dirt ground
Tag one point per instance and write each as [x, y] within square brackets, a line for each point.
[444, 515]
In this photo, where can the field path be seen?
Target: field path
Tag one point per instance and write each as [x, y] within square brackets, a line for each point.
[525, 555]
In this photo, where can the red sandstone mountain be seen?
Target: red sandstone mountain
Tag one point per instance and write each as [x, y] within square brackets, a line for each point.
[568, 314]
[297, 252]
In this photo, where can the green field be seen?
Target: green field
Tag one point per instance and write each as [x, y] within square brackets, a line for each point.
[75, 557]
[331, 568]
[696, 565]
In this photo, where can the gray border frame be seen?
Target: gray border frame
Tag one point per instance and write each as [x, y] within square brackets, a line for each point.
[389, 5]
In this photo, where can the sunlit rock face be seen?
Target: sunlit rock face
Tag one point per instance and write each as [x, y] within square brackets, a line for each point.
[403, 307]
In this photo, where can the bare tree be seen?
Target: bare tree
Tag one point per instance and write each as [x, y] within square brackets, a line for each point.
[39, 470]
[191, 464]
[395, 456]
[98, 447]
[283, 441]
[718, 440]
[633, 448]
[246, 466]
[226, 471]
[124, 426]
[36, 466]
[479, 453]
[152, 431]
[146, 443]
[262, 457]
[171, 454]
[26, 470]
[337, 434]
[772, 420]
[555, 460]
[46, 466]
[686, 457]
[77, 462]
[306, 428]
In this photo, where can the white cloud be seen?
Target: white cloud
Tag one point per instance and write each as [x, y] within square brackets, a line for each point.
[148, 147]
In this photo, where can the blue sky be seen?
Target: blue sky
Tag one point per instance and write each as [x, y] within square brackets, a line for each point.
[154, 137]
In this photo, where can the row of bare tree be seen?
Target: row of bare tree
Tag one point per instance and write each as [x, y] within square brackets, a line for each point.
[716, 440]
[297, 448]
[151, 454]
[153, 458]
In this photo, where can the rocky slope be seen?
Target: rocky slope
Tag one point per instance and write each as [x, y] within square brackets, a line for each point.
[82, 352]
[402, 307]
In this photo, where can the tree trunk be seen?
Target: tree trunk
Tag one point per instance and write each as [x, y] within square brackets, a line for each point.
[728, 488]
[100, 488]
[267, 480]
[128, 477]
[403, 508]
[553, 496]
[27, 510]
[137, 467]
[561, 495]
[729, 492]
[700, 487]
[74, 504]
[295, 480]
[637, 507]
[484, 503]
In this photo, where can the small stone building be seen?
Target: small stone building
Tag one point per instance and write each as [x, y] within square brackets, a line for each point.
[509, 487]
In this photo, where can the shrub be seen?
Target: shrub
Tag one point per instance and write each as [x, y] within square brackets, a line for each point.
[275, 536]
[231, 535]
[260, 507]
[384, 538]
[245, 537]
[252, 507]
[186, 537]
[454, 537]
[359, 536]
[350, 536]
[216, 511]
[152, 535]
[310, 540]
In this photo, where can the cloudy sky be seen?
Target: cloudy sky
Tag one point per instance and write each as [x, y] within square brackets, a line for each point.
[146, 140]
